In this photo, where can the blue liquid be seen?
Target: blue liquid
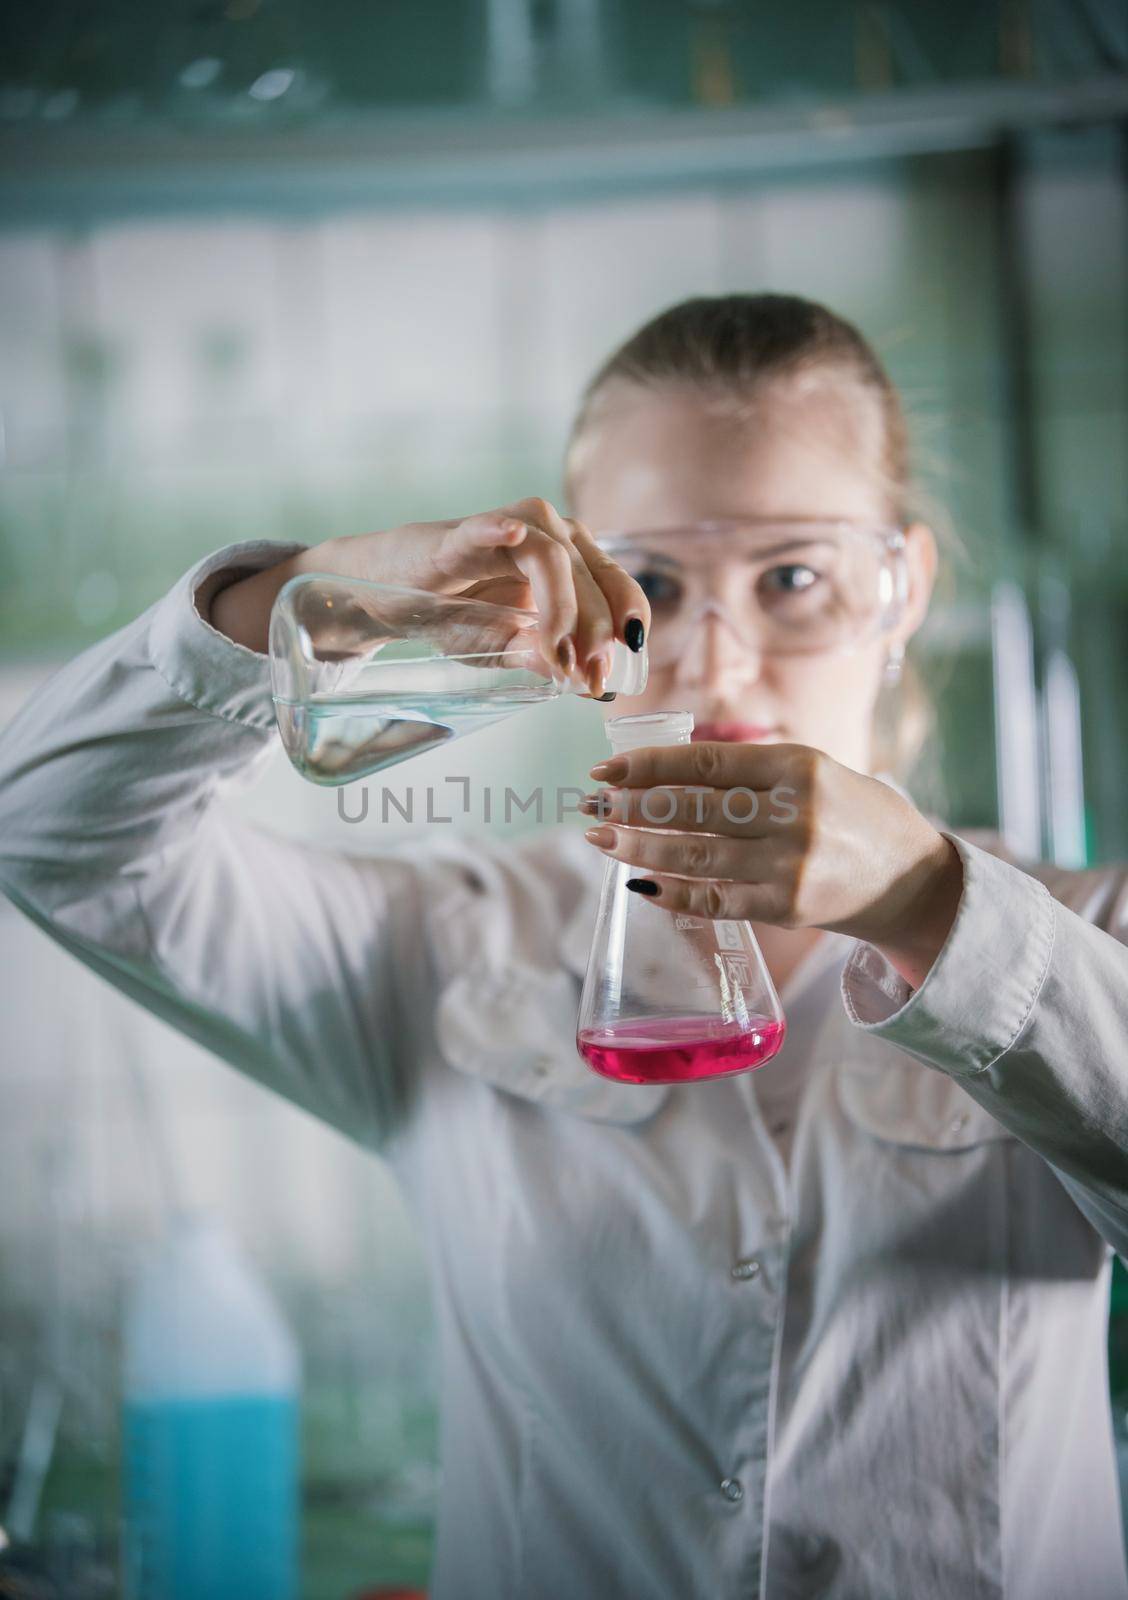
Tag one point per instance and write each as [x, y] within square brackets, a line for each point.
[211, 1498]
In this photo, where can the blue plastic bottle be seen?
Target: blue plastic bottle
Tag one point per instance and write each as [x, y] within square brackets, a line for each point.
[210, 1429]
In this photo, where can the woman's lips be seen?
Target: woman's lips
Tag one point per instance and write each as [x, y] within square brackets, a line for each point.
[733, 732]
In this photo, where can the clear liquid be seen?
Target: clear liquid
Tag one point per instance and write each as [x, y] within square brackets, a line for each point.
[335, 740]
[211, 1498]
[679, 1049]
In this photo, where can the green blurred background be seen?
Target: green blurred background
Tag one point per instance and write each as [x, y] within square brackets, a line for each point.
[269, 270]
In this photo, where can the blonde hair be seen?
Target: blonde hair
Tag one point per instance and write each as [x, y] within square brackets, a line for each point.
[728, 347]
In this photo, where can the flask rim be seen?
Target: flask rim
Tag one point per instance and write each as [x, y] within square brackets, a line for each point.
[642, 728]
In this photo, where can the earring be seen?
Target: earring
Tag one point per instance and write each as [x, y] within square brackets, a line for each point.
[894, 661]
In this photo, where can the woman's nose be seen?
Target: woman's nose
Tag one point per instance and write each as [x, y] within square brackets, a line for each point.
[715, 654]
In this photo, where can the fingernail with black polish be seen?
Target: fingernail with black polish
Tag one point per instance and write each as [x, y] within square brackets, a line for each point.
[643, 886]
[634, 634]
[604, 698]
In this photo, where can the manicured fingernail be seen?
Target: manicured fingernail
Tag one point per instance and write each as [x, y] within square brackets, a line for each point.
[566, 653]
[610, 771]
[605, 699]
[642, 885]
[634, 633]
[601, 803]
[597, 669]
[603, 837]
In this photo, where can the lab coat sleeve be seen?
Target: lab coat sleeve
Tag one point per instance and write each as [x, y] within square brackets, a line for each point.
[1027, 1007]
[306, 968]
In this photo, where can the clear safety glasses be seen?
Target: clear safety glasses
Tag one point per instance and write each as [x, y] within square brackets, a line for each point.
[784, 588]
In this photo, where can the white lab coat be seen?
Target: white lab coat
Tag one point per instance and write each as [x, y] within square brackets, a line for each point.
[673, 1366]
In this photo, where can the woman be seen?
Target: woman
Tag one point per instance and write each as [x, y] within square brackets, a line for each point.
[836, 1327]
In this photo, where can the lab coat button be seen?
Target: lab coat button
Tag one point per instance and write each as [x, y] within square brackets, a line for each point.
[743, 1270]
[732, 1489]
[958, 1123]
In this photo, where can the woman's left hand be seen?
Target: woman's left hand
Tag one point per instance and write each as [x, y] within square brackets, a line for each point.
[783, 834]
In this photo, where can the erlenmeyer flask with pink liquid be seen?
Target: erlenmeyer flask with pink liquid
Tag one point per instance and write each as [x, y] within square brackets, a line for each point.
[670, 998]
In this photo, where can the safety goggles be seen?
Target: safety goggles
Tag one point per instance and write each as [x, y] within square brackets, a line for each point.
[782, 588]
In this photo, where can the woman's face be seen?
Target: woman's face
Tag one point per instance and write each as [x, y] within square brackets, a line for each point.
[806, 451]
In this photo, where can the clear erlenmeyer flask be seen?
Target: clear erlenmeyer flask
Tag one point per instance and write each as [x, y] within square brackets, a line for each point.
[671, 998]
[368, 674]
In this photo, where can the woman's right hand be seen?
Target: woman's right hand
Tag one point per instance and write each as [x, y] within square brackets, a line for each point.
[526, 555]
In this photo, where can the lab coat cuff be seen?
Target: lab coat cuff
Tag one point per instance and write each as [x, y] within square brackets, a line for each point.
[200, 664]
[977, 997]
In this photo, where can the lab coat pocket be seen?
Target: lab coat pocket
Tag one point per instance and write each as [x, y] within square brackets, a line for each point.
[505, 1017]
[925, 1180]
[898, 1100]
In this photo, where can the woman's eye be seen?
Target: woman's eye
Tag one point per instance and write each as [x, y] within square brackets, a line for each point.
[789, 580]
[660, 588]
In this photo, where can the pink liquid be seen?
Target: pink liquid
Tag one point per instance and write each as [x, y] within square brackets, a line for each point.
[679, 1049]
